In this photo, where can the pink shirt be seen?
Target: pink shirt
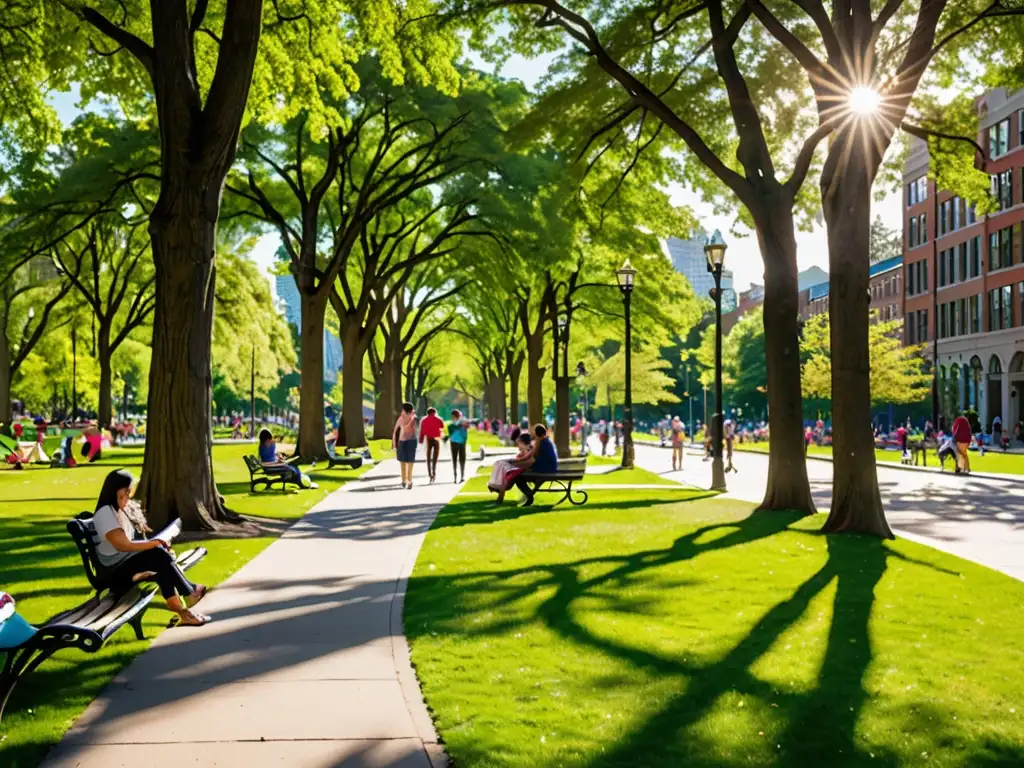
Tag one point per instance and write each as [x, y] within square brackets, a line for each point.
[406, 426]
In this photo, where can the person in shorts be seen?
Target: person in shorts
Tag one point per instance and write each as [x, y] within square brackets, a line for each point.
[403, 439]
[678, 438]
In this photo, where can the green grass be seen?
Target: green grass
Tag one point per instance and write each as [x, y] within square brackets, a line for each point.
[645, 630]
[42, 570]
[993, 461]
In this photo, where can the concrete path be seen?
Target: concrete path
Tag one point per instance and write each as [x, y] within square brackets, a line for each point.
[305, 663]
[979, 519]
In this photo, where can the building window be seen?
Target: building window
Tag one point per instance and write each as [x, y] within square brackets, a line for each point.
[942, 268]
[1002, 189]
[1000, 310]
[999, 138]
[975, 247]
[1020, 127]
[943, 317]
[972, 214]
[917, 191]
[912, 241]
[974, 312]
[922, 227]
[956, 213]
[1000, 249]
[961, 261]
[922, 325]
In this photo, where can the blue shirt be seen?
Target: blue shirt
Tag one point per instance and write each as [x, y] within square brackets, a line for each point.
[268, 452]
[547, 457]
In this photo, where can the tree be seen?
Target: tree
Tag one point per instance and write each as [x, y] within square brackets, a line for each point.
[886, 53]
[885, 243]
[108, 265]
[656, 55]
[650, 382]
[380, 221]
[196, 65]
[898, 373]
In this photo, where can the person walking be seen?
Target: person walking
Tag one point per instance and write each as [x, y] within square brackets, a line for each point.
[729, 428]
[962, 436]
[403, 440]
[430, 430]
[678, 438]
[602, 436]
[458, 434]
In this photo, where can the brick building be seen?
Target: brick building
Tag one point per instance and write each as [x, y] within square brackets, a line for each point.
[886, 288]
[964, 284]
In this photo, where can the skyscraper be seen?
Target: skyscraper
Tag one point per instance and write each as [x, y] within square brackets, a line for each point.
[288, 296]
[689, 260]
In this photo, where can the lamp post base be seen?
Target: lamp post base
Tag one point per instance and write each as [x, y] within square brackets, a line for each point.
[718, 474]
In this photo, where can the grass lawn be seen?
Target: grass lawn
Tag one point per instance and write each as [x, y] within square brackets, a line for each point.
[42, 570]
[654, 630]
[993, 461]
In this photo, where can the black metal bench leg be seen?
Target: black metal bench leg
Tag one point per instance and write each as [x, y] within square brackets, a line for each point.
[136, 624]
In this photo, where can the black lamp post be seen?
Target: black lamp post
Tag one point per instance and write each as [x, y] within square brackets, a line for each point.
[714, 249]
[626, 276]
[581, 375]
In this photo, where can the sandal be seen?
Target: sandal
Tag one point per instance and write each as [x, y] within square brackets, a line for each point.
[190, 619]
[196, 596]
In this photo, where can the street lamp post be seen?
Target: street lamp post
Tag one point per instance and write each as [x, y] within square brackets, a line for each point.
[626, 276]
[715, 252]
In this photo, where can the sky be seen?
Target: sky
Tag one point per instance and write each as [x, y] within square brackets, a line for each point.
[742, 257]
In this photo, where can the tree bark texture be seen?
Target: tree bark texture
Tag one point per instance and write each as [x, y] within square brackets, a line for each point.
[562, 416]
[105, 406]
[311, 445]
[383, 407]
[514, 367]
[5, 369]
[856, 501]
[352, 386]
[535, 380]
[788, 487]
[197, 148]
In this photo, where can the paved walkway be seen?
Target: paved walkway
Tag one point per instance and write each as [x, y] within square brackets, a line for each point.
[979, 519]
[305, 664]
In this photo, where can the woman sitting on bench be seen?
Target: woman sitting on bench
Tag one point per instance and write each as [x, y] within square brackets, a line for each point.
[545, 461]
[144, 560]
[269, 458]
[506, 471]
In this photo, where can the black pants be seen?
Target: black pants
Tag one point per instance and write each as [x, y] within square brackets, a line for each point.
[169, 577]
[458, 458]
[433, 452]
[524, 486]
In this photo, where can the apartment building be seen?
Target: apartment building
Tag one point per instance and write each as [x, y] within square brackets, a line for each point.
[885, 288]
[963, 273]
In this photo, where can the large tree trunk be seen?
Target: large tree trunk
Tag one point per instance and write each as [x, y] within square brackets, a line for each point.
[562, 416]
[496, 397]
[514, 368]
[354, 434]
[178, 466]
[383, 407]
[788, 488]
[856, 501]
[5, 373]
[535, 380]
[311, 444]
[105, 406]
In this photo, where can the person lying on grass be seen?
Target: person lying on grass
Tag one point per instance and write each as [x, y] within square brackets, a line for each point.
[131, 561]
[269, 458]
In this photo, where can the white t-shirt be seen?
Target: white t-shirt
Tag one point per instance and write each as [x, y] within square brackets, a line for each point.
[105, 520]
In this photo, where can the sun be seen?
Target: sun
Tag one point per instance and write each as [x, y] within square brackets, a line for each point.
[864, 100]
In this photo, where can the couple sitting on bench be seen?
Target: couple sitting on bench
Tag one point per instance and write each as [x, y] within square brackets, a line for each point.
[131, 560]
[536, 455]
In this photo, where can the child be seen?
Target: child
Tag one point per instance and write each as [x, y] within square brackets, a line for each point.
[506, 471]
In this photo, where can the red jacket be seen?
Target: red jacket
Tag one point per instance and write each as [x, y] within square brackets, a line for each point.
[431, 426]
[962, 430]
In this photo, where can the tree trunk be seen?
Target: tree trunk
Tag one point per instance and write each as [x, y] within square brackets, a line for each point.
[496, 397]
[178, 466]
[514, 368]
[352, 388]
[788, 488]
[383, 408]
[5, 374]
[562, 416]
[105, 405]
[535, 380]
[856, 501]
[311, 445]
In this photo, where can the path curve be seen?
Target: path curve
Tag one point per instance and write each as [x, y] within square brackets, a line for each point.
[306, 663]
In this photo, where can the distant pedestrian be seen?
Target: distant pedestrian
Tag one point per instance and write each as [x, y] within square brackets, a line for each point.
[430, 430]
[808, 438]
[678, 438]
[962, 437]
[602, 436]
[729, 428]
[403, 439]
[457, 436]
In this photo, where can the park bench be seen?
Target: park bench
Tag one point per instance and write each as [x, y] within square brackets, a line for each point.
[569, 471]
[352, 458]
[262, 474]
[88, 626]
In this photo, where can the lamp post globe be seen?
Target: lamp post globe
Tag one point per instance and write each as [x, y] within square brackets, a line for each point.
[626, 277]
[714, 250]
